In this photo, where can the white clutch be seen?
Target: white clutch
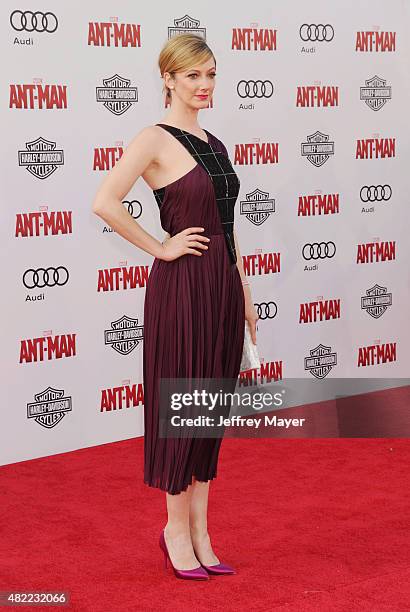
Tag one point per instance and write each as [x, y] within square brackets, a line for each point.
[250, 356]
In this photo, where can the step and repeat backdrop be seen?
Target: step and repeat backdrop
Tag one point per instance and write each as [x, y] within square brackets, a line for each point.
[312, 103]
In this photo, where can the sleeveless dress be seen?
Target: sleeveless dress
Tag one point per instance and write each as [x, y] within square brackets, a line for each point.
[194, 310]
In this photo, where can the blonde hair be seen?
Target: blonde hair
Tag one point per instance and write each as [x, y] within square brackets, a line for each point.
[180, 53]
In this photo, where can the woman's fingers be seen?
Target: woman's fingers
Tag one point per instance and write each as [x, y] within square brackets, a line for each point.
[189, 230]
[197, 237]
[253, 332]
[252, 328]
[197, 244]
[184, 242]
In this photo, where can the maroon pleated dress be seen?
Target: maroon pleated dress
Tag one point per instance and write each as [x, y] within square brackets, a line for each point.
[194, 311]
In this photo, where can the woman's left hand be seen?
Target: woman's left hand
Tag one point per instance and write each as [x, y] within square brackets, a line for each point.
[250, 314]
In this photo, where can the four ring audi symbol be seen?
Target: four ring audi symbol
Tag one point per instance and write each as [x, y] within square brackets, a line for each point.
[45, 277]
[319, 250]
[255, 89]
[28, 21]
[130, 207]
[316, 32]
[266, 310]
[375, 193]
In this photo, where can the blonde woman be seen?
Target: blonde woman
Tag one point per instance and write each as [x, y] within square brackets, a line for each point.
[197, 297]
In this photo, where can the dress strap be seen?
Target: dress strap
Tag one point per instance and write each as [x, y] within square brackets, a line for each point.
[169, 128]
[221, 173]
[183, 134]
[197, 147]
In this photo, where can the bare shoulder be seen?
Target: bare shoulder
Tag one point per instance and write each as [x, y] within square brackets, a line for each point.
[147, 137]
[155, 141]
[138, 159]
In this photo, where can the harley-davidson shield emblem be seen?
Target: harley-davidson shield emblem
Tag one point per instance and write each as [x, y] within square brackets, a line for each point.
[375, 93]
[321, 361]
[41, 158]
[318, 148]
[125, 335]
[49, 408]
[376, 301]
[117, 95]
[257, 207]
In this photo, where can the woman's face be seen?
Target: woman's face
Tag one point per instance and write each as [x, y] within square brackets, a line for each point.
[196, 85]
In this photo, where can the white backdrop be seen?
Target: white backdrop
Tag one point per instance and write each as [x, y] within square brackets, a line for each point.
[81, 81]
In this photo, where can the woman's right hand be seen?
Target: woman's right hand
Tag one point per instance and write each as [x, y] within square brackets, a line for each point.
[183, 243]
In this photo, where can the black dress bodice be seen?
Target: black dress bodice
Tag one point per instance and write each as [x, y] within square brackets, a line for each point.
[212, 156]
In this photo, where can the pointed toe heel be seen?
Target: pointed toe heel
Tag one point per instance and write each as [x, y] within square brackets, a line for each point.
[220, 569]
[198, 573]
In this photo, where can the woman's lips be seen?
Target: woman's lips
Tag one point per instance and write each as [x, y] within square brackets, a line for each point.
[203, 96]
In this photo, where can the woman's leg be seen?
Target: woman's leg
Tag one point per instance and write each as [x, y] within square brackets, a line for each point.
[199, 523]
[177, 531]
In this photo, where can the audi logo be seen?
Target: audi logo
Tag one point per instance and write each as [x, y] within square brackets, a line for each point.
[375, 193]
[266, 310]
[255, 89]
[28, 21]
[319, 250]
[130, 208]
[45, 277]
[316, 33]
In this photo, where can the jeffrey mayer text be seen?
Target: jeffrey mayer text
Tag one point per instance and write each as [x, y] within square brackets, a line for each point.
[272, 421]
[236, 420]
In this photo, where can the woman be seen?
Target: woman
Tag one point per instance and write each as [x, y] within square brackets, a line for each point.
[197, 297]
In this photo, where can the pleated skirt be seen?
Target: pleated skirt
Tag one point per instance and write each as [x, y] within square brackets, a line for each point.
[194, 317]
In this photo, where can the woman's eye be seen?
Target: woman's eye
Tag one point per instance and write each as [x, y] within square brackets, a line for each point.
[213, 74]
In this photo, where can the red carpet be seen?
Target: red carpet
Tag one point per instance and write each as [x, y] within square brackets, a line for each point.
[309, 525]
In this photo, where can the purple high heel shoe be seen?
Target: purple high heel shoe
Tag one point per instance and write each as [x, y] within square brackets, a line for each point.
[219, 570]
[198, 573]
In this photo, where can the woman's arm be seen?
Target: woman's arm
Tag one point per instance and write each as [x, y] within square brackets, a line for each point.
[250, 312]
[116, 185]
[239, 262]
[139, 154]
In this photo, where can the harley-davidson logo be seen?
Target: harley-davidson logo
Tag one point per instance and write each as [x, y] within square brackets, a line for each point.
[188, 25]
[49, 408]
[41, 157]
[257, 207]
[321, 361]
[125, 335]
[318, 148]
[117, 95]
[376, 93]
[376, 301]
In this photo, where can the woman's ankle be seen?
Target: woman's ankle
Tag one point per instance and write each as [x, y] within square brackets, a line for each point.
[175, 530]
[198, 531]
